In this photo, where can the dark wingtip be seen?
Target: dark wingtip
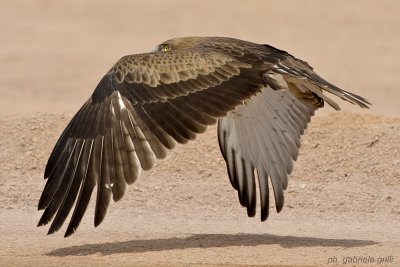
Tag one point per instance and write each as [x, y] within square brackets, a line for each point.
[47, 172]
[364, 103]
[252, 208]
[51, 231]
[358, 100]
[41, 205]
[42, 221]
[54, 227]
[242, 198]
[264, 215]
[279, 206]
[70, 231]
[368, 104]
[251, 212]
[279, 200]
[98, 220]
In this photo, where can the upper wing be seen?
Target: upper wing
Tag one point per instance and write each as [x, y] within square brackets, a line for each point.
[140, 109]
[263, 135]
[283, 71]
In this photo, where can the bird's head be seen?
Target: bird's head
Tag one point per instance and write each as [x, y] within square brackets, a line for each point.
[178, 43]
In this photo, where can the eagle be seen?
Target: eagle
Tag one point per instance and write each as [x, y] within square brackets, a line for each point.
[261, 98]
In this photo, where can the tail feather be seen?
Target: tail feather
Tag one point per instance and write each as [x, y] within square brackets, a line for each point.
[294, 72]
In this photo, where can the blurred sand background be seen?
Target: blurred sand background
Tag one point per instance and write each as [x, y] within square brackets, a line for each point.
[343, 197]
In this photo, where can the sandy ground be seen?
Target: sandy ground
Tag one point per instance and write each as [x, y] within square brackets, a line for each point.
[343, 198]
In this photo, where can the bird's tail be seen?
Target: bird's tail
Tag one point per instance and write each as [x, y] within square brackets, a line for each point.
[299, 78]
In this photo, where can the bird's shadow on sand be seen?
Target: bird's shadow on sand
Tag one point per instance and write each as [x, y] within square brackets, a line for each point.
[205, 241]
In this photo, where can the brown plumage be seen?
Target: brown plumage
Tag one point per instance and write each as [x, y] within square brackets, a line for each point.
[262, 98]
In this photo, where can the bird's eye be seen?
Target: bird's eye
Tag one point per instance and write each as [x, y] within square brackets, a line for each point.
[164, 47]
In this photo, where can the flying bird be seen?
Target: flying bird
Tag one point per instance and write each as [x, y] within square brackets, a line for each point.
[261, 97]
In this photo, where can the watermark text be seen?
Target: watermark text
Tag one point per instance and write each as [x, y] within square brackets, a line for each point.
[382, 260]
